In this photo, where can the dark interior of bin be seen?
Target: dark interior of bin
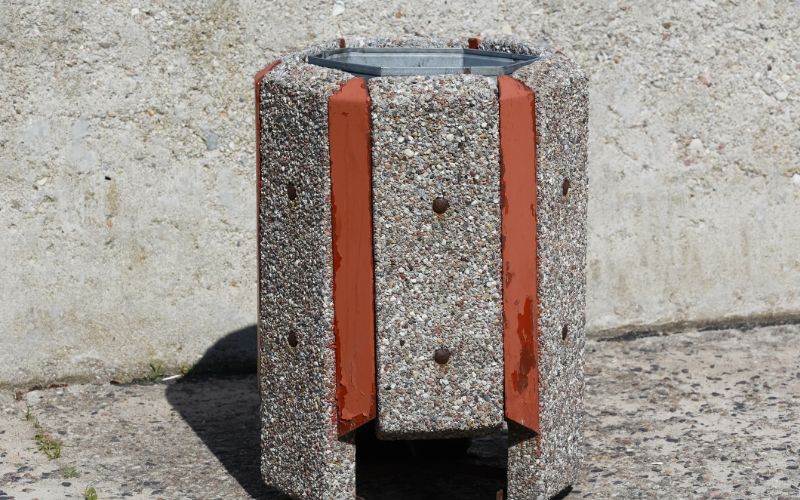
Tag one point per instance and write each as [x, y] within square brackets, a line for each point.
[394, 61]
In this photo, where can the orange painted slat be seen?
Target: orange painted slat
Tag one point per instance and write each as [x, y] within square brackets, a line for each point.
[353, 279]
[520, 267]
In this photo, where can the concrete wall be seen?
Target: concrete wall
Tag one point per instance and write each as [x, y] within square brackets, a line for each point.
[127, 201]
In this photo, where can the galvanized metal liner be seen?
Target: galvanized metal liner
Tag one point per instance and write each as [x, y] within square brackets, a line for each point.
[395, 61]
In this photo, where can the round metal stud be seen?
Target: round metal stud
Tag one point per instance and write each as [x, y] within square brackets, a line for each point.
[441, 356]
[440, 205]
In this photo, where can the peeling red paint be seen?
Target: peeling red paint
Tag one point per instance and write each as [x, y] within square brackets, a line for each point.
[520, 263]
[259, 76]
[353, 279]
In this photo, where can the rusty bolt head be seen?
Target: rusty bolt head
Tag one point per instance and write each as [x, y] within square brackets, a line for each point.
[292, 339]
[442, 355]
[440, 205]
[291, 191]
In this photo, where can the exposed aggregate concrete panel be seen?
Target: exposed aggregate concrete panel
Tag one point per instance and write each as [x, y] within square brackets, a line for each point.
[301, 452]
[437, 274]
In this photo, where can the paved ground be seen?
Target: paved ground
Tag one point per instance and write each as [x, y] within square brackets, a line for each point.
[701, 414]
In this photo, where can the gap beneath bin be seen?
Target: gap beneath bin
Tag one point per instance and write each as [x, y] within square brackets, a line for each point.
[441, 469]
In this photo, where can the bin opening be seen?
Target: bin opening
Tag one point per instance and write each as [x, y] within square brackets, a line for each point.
[402, 61]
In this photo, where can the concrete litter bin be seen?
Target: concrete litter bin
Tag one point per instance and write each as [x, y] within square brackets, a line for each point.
[422, 246]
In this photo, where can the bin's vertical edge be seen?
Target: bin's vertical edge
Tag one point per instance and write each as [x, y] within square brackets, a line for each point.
[519, 249]
[257, 81]
[349, 136]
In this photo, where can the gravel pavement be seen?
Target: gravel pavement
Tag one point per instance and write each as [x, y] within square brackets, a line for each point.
[712, 414]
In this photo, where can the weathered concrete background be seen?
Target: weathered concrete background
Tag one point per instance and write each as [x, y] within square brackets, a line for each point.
[127, 200]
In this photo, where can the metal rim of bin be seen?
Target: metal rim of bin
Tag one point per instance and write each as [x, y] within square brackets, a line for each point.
[403, 61]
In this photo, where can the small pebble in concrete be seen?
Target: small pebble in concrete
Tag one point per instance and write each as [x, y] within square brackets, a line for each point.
[212, 141]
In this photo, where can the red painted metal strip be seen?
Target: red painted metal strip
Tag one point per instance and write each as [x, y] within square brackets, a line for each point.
[520, 263]
[259, 76]
[353, 280]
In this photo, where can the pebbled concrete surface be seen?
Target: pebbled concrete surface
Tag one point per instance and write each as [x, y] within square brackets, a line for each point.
[301, 453]
[437, 276]
[690, 415]
[127, 163]
[560, 90]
